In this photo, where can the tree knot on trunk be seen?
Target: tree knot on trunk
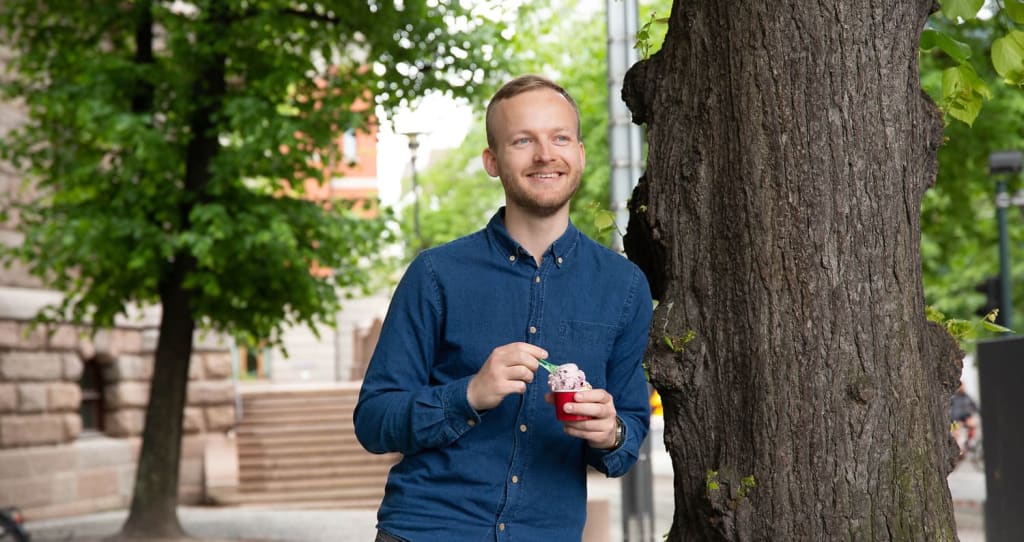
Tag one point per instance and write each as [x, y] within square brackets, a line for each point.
[643, 243]
[637, 90]
[861, 390]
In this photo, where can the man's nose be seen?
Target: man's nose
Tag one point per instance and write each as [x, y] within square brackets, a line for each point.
[542, 152]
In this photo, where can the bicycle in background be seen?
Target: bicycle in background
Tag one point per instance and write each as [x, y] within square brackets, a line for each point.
[11, 529]
[968, 438]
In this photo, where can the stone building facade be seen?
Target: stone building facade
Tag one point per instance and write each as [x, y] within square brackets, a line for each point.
[72, 405]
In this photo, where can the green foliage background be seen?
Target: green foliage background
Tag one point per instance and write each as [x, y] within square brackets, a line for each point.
[959, 246]
[161, 137]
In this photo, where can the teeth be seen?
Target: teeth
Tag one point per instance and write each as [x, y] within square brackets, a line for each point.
[546, 175]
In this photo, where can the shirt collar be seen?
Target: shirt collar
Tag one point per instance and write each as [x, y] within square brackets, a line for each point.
[512, 251]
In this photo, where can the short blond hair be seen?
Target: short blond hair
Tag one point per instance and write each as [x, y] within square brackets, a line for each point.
[526, 83]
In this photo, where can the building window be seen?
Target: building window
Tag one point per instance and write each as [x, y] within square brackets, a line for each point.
[253, 363]
[350, 147]
[91, 408]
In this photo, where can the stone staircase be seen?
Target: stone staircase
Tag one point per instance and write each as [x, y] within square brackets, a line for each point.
[296, 447]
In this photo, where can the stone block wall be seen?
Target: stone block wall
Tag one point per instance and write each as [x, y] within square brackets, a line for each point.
[40, 395]
[39, 392]
[48, 467]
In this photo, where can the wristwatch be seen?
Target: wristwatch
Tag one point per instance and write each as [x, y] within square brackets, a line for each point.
[620, 433]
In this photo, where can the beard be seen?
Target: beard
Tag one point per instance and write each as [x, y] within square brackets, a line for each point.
[542, 205]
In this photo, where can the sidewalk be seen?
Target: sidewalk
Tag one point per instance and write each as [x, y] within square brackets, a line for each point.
[967, 485]
[358, 525]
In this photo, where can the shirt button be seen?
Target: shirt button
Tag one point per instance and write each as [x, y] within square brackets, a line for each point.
[512, 258]
[522, 428]
[501, 526]
[471, 423]
[559, 260]
[533, 330]
[537, 279]
[515, 479]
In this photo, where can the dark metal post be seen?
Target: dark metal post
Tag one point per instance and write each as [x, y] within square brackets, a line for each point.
[1004, 163]
[1005, 294]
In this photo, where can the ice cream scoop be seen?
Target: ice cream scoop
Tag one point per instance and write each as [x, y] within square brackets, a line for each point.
[565, 380]
[568, 377]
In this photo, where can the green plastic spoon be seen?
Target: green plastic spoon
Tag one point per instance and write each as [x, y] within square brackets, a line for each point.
[551, 367]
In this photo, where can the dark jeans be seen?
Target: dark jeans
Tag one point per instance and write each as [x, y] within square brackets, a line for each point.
[385, 537]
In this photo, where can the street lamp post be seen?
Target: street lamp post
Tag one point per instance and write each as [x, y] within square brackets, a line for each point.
[414, 144]
[1004, 164]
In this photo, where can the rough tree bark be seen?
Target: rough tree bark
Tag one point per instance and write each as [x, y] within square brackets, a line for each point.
[778, 220]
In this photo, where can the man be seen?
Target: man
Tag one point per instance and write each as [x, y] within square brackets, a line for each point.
[454, 383]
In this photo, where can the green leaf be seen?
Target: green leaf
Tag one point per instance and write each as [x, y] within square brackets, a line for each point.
[1008, 57]
[957, 50]
[963, 92]
[995, 327]
[963, 9]
[1015, 9]
[604, 220]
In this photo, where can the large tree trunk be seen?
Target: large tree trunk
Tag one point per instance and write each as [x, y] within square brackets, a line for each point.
[778, 220]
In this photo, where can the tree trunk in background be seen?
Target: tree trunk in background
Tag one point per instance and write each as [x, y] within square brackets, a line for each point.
[153, 514]
[778, 220]
[154, 509]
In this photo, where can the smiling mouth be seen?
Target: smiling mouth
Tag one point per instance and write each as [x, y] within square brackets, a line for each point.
[545, 175]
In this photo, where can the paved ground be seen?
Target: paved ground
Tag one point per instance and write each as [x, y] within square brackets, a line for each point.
[967, 484]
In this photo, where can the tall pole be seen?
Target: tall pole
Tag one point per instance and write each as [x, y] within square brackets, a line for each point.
[414, 144]
[1005, 294]
[1004, 164]
[625, 141]
[625, 154]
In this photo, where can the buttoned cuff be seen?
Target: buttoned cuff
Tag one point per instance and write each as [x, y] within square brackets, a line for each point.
[460, 415]
[617, 462]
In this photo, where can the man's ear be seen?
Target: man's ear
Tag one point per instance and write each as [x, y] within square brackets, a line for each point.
[490, 162]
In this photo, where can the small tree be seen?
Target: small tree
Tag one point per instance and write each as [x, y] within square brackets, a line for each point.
[163, 143]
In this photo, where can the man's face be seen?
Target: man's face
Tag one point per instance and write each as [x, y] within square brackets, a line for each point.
[536, 152]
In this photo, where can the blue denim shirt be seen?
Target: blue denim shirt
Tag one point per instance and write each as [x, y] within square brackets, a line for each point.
[509, 473]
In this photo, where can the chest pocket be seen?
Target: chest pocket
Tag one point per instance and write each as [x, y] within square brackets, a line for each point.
[588, 345]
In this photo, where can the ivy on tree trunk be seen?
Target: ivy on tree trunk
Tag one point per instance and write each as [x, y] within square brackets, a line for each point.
[779, 222]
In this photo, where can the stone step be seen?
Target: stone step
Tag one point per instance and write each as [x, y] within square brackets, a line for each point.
[289, 462]
[364, 497]
[297, 447]
[297, 403]
[310, 428]
[300, 449]
[368, 481]
[369, 503]
[340, 391]
[307, 433]
[296, 417]
[340, 476]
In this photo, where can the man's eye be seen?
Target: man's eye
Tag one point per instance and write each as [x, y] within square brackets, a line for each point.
[521, 141]
[563, 139]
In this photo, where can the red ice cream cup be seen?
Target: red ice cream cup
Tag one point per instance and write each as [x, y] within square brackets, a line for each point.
[561, 398]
